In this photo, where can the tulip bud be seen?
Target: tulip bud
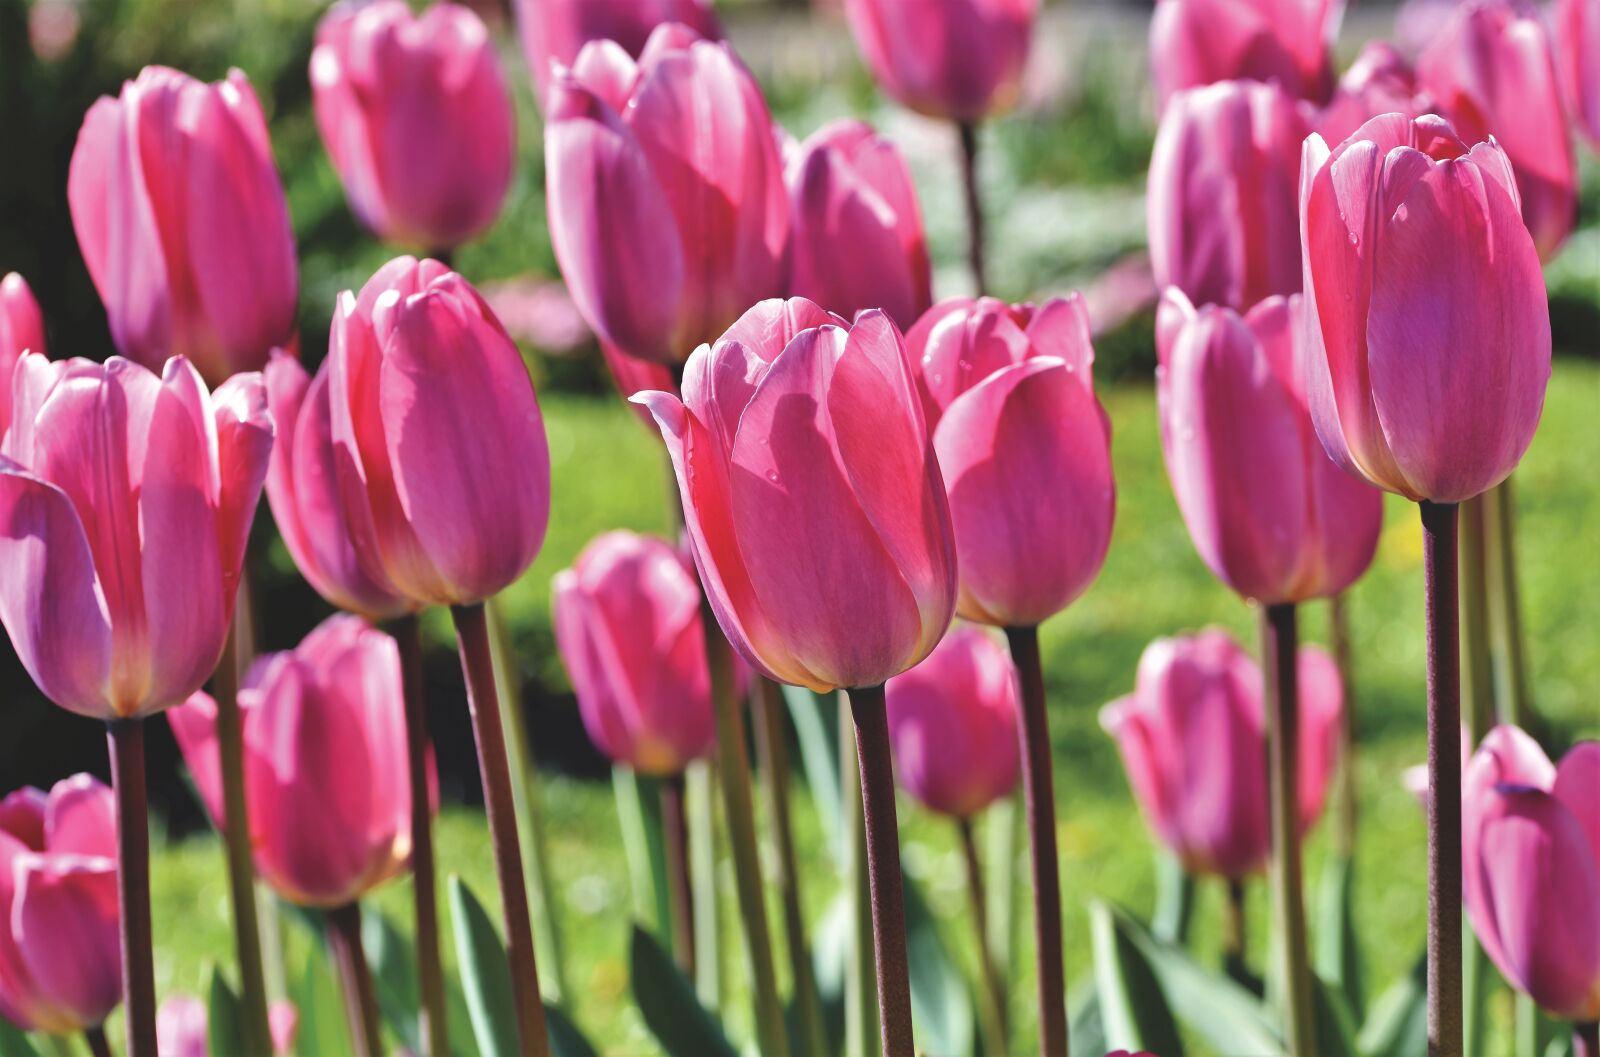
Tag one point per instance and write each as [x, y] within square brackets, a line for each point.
[416, 116]
[325, 773]
[60, 947]
[128, 499]
[1531, 856]
[953, 724]
[554, 31]
[1283, 42]
[1380, 81]
[1221, 194]
[181, 219]
[442, 463]
[1274, 518]
[1426, 313]
[21, 330]
[1192, 739]
[858, 239]
[812, 496]
[955, 59]
[668, 211]
[1025, 448]
[1575, 34]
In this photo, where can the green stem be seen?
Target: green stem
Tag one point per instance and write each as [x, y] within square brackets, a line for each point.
[968, 133]
[1477, 672]
[991, 992]
[1174, 899]
[355, 976]
[1235, 947]
[703, 878]
[1506, 602]
[680, 889]
[1344, 659]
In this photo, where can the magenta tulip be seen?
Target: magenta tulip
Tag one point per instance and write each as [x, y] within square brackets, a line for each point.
[324, 763]
[1286, 42]
[953, 722]
[417, 118]
[858, 239]
[632, 376]
[126, 501]
[1576, 36]
[1221, 194]
[627, 622]
[182, 221]
[1192, 741]
[1428, 326]
[1380, 81]
[956, 59]
[438, 443]
[812, 495]
[1025, 448]
[554, 31]
[1491, 72]
[668, 211]
[1272, 516]
[1531, 857]
[60, 969]
[182, 1031]
[21, 330]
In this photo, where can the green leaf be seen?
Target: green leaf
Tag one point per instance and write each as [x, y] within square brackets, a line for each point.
[639, 811]
[1086, 1032]
[941, 998]
[565, 1038]
[1397, 1025]
[485, 973]
[667, 1000]
[1334, 1024]
[13, 1043]
[323, 1030]
[1132, 1007]
[1337, 958]
[1174, 899]
[224, 1017]
[816, 724]
[394, 976]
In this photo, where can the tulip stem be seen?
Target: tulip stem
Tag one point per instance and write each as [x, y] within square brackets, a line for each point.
[969, 181]
[1344, 661]
[472, 635]
[1235, 948]
[126, 737]
[992, 996]
[430, 969]
[96, 1038]
[675, 830]
[1439, 529]
[871, 717]
[1586, 1039]
[1504, 595]
[342, 927]
[702, 820]
[1477, 673]
[861, 994]
[1039, 787]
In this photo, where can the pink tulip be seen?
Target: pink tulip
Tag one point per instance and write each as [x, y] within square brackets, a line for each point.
[1221, 195]
[1380, 81]
[668, 211]
[21, 330]
[1200, 42]
[182, 1031]
[1491, 72]
[812, 495]
[632, 376]
[554, 31]
[126, 501]
[1025, 448]
[858, 239]
[417, 118]
[1425, 305]
[1192, 740]
[181, 219]
[60, 952]
[953, 724]
[1575, 33]
[324, 763]
[1274, 518]
[956, 59]
[303, 489]
[437, 439]
[1531, 856]
[627, 621]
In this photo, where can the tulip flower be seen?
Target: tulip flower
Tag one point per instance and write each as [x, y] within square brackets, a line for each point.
[1491, 72]
[1272, 516]
[60, 972]
[627, 622]
[668, 211]
[182, 221]
[1286, 42]
[21, 330]
[1221, 194]
[1380, 81]
[1531, 863]
[1191, 739]
[1575, 34]
[182, 1030]
[858, 239]
[417, 118]
[554, 31]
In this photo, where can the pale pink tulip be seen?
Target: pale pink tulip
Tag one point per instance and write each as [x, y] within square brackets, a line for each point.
[1380, 81]
[1575, 33]
[1286, 42]
[554, 31]
[21, 330]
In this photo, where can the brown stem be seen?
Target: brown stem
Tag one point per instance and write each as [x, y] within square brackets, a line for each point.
[472, 635]
[126, 738]
[96, 1038]
[355, 976]
[1344, 660]
[974, 200]
[680, 892]
[992, 995]
[1235, 946]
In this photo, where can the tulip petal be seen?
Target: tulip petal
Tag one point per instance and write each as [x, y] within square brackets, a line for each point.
[22, 815]
[1577, 785]
[82, 818]
[245, 437]
[65, 920]
[194, 727]
[1321, 695]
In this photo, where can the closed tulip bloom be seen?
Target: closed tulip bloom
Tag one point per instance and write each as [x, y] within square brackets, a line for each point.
[1531, 855]
[953, 724]
[182, 221]
[21, 330]
[632, 376]
[1221, 196]
[1380, 81]
[324, 763]
[1274, 518]
[1576, 36]
[627, 622]
[182, 1031]
[1285, 42]
[668, 211]
[955, 59]
[858, 239]
[1491, 72]
[812, 496]
[125, 502]
[554, 31]
[60, 955]
[1192, 740]
[417, 118]
[1025, 448]
[1426, 314]
[439, 447]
